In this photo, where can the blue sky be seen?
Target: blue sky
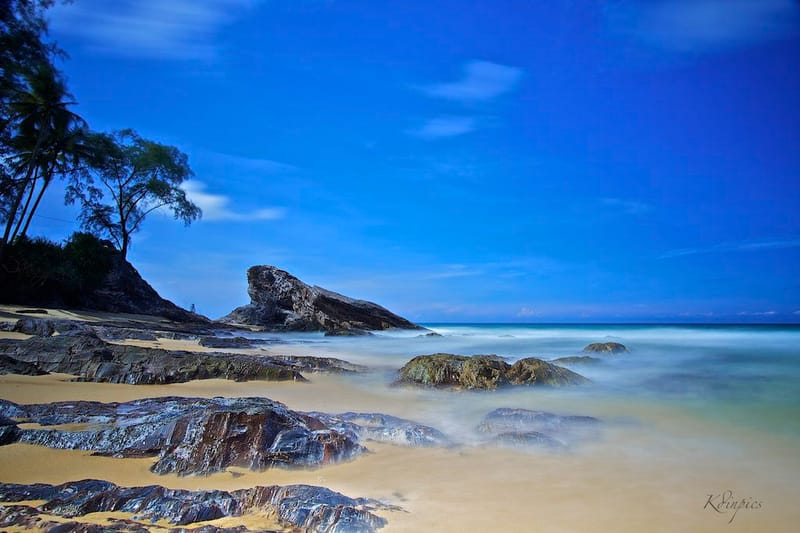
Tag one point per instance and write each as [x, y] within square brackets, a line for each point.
[464, 161]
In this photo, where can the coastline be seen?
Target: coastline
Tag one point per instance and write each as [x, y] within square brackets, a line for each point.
[653, 467]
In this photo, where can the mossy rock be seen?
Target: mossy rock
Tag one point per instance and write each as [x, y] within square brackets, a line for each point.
[533, 371]
[487, 372]
[606, 347]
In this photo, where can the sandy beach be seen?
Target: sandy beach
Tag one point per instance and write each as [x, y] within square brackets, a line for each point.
[634, 478]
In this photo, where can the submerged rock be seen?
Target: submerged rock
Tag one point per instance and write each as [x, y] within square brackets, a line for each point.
[577, 360]
[483, 372]
[280, 301]
[540, 428]
[188, 435]
[304, 507]
[384, 428]
[226, 342]
[605, 347]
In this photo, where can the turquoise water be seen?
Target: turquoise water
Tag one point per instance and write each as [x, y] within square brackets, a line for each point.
[743, 375]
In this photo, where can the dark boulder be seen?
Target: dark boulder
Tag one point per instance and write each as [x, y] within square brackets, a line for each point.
[9, 365]
[226, 342]
[281, 302]
[606, 347]
[189, 436]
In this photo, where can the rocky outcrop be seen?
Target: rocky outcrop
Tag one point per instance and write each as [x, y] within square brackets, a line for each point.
[297, 507]
[189, 436]
[281, 302]
[524, 427]
[384, 428]
[9, 365]
[89, 358]
[605, 347]
[125, 291]
[484, 372]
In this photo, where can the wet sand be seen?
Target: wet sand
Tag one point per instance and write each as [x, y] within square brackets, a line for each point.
[653, 474]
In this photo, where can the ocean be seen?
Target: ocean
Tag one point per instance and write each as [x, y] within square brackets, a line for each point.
[744, 375]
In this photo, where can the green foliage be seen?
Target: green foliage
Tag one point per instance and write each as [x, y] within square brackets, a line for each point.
[138, 176]
[41, 272]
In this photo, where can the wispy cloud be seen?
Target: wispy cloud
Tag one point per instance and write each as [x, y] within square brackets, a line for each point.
[481, 81]
[442, 127]
[702, 26]
[175, 29]
[757, 313]
[627, 206]
[747, 246]
[216, 207]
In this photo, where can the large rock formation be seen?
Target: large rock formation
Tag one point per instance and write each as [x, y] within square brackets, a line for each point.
[296, 507]
[606, 347]
[484, 372]
[280, 301]
[188, 435]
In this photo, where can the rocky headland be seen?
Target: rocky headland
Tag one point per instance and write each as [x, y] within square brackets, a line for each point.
[281, 302]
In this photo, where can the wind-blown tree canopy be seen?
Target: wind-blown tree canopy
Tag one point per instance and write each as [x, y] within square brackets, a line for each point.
[133, 177]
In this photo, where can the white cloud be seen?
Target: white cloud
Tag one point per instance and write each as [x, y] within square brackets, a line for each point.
[630, 207]
[746, 246]
[482, 80]
[526, 312]
[174, 29]
[216, 207]
[701, 26]
[441, 127]
[796, 312]
[757, 313]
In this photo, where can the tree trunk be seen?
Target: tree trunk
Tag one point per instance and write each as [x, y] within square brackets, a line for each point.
[35, 206]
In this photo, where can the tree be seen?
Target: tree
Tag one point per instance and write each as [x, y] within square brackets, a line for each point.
[48, 140]
[139, 176]
[39, 136]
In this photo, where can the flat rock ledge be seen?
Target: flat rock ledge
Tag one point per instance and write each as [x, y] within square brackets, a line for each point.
[541, 429]
[87, 356]
[295, 507]
[486, 372]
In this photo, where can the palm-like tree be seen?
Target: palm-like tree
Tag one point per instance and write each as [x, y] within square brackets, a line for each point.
[47, 141]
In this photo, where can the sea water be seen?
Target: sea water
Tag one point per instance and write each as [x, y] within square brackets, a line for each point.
[741, 375]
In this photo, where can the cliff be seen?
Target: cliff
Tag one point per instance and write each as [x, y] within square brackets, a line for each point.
[280, 301]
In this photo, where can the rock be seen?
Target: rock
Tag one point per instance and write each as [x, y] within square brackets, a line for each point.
[577, 360]
[189, 436]
[533, 371]
[431, 334]
[45, 327]
[353, 332]
[124, 291]
[301, 507]
[121, 334]
[9, 365]
[530, 427]
[606, 347]
[9, 431]
[384, 428]
[31, 311]
[226, 342]
[317, 364]
[281, 302]
[92, 359]
[527, 439]
[483, 372]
